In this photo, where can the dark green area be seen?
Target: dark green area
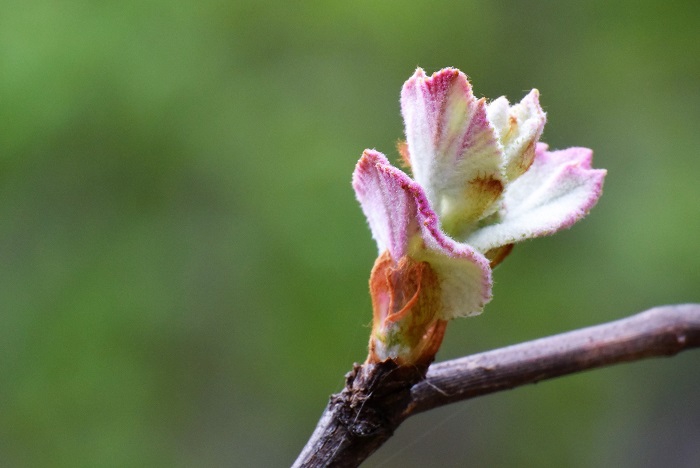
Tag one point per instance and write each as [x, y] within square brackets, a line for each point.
[183, 266]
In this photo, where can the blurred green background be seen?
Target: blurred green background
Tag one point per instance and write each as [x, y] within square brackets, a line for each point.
[183, 265]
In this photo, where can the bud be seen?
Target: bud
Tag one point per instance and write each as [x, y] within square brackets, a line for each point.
[406, 304]
[481, 182]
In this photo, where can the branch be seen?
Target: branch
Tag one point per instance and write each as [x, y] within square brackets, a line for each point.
[377, 398]
[663, 331]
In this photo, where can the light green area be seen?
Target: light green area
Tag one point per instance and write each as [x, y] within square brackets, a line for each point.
[183, 266]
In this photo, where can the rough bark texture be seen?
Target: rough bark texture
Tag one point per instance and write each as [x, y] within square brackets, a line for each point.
[378, 397]
[358, 420]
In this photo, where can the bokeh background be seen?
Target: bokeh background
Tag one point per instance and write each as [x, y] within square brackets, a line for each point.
[183, 265]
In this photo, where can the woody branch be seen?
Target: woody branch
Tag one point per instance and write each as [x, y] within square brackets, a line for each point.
[378, 397]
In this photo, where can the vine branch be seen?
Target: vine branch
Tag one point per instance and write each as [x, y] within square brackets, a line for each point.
[377, 398]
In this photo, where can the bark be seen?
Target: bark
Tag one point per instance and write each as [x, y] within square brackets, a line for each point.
[378, 397]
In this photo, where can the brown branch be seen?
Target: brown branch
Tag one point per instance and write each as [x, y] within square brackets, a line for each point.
[377, 398]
